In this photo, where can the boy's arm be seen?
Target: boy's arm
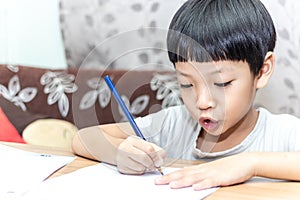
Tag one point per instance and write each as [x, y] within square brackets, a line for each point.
[116, 144]
[278, 165]
[236, 169]
[100, 142]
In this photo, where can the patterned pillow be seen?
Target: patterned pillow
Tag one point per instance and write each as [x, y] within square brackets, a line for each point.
[19, 118]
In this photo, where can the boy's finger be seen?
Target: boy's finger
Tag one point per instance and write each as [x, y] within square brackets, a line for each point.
[158, 157]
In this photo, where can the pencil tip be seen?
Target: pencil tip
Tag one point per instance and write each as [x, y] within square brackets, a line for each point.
[160, 170]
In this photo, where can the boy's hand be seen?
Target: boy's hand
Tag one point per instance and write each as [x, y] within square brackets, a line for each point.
[223, 172]
[136, 156]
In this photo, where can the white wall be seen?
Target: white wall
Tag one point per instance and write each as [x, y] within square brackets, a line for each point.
[30, 33]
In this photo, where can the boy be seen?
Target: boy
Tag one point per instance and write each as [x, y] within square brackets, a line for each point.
[222, 52]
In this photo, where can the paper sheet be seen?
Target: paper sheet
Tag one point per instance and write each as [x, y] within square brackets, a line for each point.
[21, 170]
[103, 181]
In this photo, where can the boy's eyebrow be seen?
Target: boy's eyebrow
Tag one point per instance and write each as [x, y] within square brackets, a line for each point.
[221, 70]
[181, 73]
[217, 71]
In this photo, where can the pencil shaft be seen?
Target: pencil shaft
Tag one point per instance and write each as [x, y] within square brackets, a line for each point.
[126, 111]
[123, 107]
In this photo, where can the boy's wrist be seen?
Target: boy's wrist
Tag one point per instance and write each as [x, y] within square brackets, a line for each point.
[253, 162]
[258, 160]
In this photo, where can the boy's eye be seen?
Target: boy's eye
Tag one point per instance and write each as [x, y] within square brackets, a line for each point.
[186, 85]
[223, 84]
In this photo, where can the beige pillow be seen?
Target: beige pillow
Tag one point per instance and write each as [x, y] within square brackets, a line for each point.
[50, 132]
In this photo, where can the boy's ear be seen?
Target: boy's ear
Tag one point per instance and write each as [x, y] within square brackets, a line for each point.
[266, 71]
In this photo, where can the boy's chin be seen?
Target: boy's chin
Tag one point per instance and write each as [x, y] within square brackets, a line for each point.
[210, 133]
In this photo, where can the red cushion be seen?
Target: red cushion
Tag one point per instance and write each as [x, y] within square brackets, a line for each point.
[8, 132]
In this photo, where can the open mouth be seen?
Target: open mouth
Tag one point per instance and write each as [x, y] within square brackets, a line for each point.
[208, 123]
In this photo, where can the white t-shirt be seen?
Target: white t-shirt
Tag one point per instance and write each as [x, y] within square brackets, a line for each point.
[176, 131]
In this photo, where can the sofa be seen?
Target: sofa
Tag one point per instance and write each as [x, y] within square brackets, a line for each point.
[78, 98]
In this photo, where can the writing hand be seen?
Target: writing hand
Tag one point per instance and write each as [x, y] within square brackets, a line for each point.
[136, 156]
[222, 172]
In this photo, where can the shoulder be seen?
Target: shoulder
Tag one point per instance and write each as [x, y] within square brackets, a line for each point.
[279, 123]
[281, 130]
[177, 114]
[278, 119]
[179, 111]
[170, 112]
[167, 119]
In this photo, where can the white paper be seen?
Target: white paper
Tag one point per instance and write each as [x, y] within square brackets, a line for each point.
[21, 170]
[103, 181]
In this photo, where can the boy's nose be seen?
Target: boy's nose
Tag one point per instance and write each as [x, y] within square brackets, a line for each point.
[205, 99]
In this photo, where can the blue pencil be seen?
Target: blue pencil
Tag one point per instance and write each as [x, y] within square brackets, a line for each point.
[125, 110]
[123, 107]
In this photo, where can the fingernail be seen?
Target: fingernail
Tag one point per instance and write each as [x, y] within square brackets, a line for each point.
[158, 180]
[173, 184]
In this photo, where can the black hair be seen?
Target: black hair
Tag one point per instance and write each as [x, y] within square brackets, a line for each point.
[216, 30]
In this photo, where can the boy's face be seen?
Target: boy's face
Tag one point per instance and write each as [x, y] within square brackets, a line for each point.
[219, 95]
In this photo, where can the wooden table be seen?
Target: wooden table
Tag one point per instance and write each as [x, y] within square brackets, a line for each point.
[252, 191]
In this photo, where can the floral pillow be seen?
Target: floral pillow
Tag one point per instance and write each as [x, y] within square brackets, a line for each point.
[19, 118]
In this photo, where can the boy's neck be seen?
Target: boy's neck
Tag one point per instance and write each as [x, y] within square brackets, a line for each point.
[230, 138]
